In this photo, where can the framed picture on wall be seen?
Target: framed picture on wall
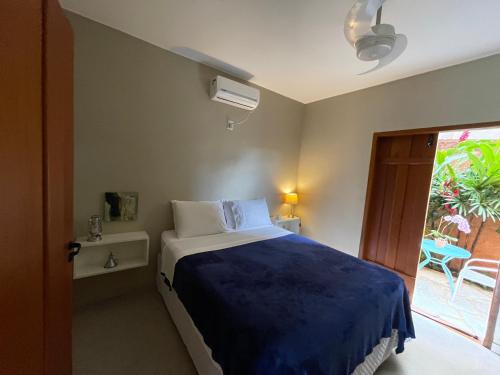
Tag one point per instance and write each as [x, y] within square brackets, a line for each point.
[120, 206]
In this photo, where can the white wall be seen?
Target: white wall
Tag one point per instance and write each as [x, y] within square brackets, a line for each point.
[144, 123]
[337, 135]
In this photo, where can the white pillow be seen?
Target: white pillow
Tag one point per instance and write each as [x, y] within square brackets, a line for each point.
[228, 213]
[250, 213]
[193, 219]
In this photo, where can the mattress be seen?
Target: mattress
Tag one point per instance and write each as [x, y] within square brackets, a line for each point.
[174, 249]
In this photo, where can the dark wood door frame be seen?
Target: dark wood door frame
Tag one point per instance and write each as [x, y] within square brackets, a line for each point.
[368, 204]
[438, 129]
[57, 85]
[395, 133]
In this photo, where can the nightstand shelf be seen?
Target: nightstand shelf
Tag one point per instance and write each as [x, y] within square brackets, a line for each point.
[289, 223]
[131, 249]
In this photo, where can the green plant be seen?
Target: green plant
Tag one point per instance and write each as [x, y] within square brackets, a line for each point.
[473, 169]
[466, 181]
[437, 234]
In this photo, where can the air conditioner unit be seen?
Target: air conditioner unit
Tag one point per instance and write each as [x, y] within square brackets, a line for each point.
[234, 93]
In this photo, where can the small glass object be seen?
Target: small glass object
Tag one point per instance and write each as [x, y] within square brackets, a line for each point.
[95, 228]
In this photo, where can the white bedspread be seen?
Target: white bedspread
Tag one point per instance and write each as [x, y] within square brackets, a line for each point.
[173, 248]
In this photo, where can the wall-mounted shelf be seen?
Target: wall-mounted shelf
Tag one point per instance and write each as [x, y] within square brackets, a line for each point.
[130, 248]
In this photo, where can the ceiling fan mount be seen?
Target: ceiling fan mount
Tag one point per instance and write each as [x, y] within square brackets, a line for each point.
[379, 42]
[375, 47]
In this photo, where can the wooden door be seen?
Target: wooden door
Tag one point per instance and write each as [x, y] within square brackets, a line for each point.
[36, 149]
[21, 190]
[397, 197]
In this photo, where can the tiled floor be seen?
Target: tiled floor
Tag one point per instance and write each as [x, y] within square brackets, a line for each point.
[469, 312]
[129, 335]
[134, 335]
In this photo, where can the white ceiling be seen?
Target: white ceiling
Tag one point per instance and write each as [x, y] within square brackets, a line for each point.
[297, 47]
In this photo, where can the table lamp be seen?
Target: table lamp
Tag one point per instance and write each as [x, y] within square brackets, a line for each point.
[292, 199]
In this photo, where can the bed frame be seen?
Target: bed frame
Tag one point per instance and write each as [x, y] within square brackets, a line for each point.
[202, 354]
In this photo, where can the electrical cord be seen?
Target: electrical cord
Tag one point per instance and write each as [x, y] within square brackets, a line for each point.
[231, 124]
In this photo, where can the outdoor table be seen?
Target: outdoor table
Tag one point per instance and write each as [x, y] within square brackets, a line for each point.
[448, 253]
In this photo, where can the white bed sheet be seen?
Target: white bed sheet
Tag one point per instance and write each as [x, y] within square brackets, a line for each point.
[174, 248]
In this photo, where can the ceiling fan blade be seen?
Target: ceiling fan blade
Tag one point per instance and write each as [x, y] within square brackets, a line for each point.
[399, 47]
[359, 19]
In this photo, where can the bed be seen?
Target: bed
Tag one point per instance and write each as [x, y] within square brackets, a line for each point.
[266, 301]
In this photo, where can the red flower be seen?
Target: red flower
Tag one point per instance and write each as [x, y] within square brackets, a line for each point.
[456, 192]
[451, 211]
[465, 135]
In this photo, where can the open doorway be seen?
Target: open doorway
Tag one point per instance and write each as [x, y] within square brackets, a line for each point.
[460, 251]
[396, 221]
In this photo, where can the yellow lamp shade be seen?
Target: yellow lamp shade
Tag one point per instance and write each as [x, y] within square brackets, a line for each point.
[291, 198]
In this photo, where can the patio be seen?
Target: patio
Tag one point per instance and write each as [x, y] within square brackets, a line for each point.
[469, 311]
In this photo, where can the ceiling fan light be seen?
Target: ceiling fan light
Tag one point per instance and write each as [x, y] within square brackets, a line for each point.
[370, 48]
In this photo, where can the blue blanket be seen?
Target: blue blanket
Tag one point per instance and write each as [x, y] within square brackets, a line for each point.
[290, 305]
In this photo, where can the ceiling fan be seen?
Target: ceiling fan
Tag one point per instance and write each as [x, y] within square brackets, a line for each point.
[379, 42]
